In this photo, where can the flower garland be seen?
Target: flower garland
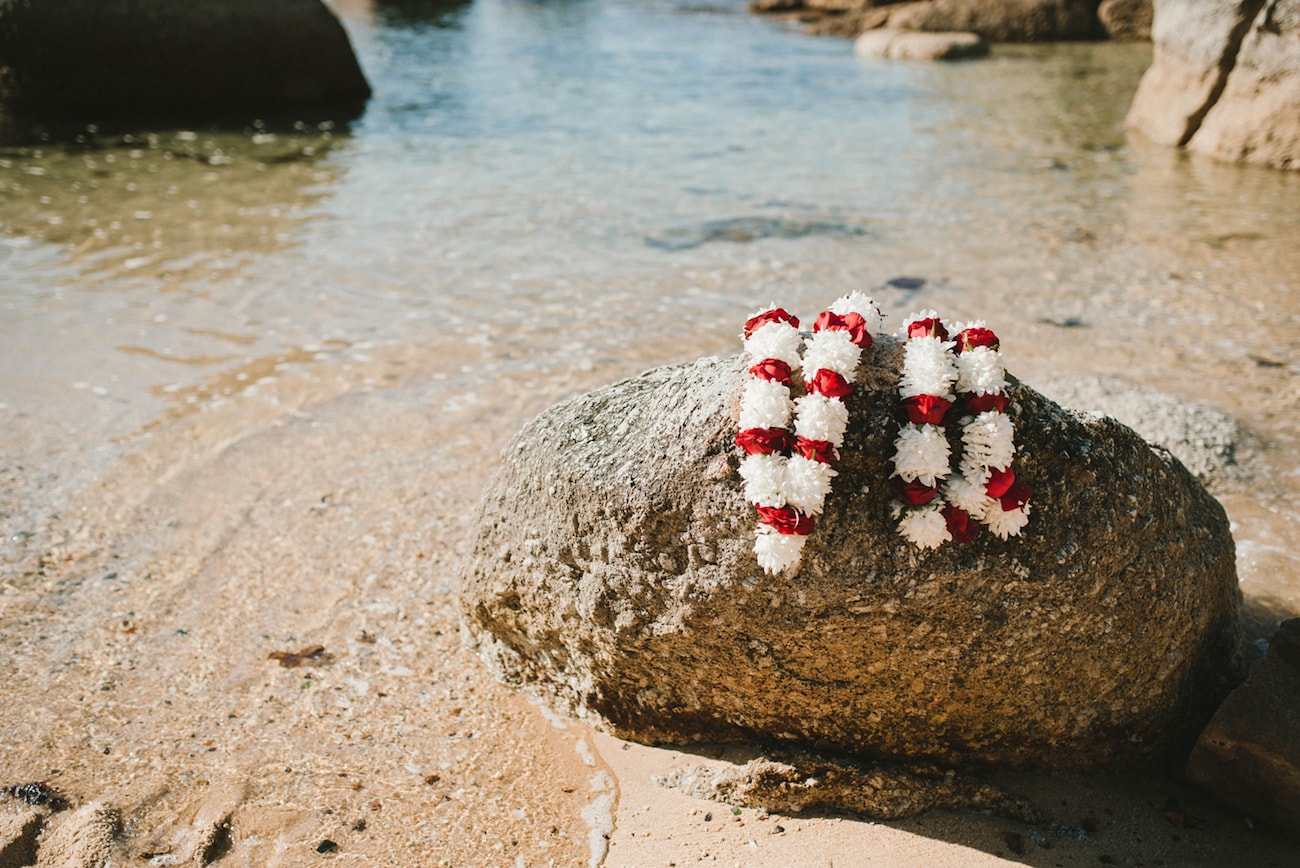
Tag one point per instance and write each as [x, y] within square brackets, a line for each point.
[986, 489]
[935, 506]
[922, 456]
[786, 478]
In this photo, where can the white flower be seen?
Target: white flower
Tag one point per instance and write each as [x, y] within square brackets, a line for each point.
[980, 370]
[765, 404]
[807, 483]
[776, 551]
[775, 340]
[968, 496]
[922, 454]
[832, 350]
[928, 369]
[926, 527]
[764, 477]
[988, 441]
[864, 306]
[821, 418]
[1007, 522]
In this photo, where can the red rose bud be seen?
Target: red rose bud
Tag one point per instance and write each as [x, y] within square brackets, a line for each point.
[816, 450]
[786, 519]
[914, 493]
[963, 530]
[764, 441]
[772, 369]
[930, 327]
[1000, 482]
[829, 383]
[977, 404]
[924, 409]
[851, 322]
[1016, 497]
[780, 314]
[976, 337]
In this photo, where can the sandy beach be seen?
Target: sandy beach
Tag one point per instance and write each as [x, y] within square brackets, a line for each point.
[252, 385]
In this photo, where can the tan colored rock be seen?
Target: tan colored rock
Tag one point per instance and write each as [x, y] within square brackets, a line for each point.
[907, 45]
[1001, 20]
[1249, 755]
[613, 571]
[1126, 20]
[83, 839]
[1257, 117]
[18, 831]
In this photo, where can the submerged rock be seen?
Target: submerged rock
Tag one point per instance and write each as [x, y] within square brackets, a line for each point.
[908, 45]
[1249, 755]
[613, 570]
[104, 59]
[1225, 80]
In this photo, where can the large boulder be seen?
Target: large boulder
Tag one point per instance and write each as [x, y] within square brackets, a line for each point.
[1126, 20]
[102, 59]
[613, 570]
[909, 45]
[1225, 80]
[1002, 20]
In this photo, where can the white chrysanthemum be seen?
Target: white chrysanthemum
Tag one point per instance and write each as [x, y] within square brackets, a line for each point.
[777, 551]
[821, 418]
[833, 350]
[764, 477]
[775, 340]
[1006, 523]
[928, 369]
[765, 404]
[911, 318]
[980, 370]
[807, 483]
[957, 328]
[988, 441]
[969, 496]
[926, 527]
[864, 306]
[922, 454]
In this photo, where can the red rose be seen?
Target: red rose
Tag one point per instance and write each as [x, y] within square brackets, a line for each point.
[829, 383]
[786, 519]
[1000, 482]
[816, 450]
[976, 337]
[914, 493]
[930, 327]
[764, 441]
[924, 409]
[780, 314]
[977, 404]
[1016, 497]
[772, 369]
[963, 530]
[852, 323]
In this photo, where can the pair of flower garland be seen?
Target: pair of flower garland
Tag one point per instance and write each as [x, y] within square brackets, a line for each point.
[788, 475]
[935, 505]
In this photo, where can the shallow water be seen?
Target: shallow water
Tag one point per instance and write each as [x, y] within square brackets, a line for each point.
[542, 197]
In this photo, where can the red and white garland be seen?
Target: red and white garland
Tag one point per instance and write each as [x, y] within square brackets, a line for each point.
[936, 506]
[788, 477]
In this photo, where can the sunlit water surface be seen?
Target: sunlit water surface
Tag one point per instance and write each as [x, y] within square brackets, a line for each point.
[542, 197]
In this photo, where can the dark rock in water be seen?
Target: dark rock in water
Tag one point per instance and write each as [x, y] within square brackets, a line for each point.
[1249, 755]
[1002, 20]
[614, 571]
[104, 59]
[742, 230]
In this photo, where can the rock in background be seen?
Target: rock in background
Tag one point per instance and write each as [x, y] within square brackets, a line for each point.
[102, 59]
[613, 570]
[1225, 80]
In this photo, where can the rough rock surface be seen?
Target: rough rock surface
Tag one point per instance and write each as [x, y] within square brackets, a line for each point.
[994, 20]
[1249, 755]
[1225, 80]
[108, 58]
[18, 832]
[909, 45]
[613, 569]
[794, 781]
